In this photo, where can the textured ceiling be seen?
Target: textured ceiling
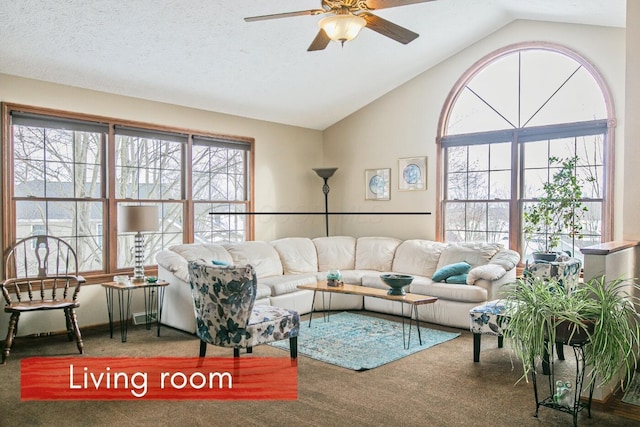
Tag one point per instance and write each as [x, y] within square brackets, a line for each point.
[203, 54]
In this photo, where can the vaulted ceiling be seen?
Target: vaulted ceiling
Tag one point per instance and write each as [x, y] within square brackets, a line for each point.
[203, 54]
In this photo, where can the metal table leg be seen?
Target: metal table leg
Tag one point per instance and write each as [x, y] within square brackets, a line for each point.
[313, 304]
[160, 304]
[109, 295]
[125, 310]
[414, 311]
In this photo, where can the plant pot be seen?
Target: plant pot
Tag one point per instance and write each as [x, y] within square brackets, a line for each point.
[570, 333]
[545, 256]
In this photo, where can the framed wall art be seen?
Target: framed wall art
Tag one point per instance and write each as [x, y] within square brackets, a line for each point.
[412, 173]
[377, 184]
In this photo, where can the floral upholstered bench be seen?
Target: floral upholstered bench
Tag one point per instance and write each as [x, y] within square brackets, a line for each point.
[489, 318]
[492, 318]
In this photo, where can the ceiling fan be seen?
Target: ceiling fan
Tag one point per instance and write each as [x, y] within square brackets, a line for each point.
[345, 19]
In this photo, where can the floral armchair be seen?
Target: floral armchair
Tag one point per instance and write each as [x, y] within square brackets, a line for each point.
[224, 297]
[565, 270]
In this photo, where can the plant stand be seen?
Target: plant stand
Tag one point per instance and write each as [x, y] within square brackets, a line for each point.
[577, 406]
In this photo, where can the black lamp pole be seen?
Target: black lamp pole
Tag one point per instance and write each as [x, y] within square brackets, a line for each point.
[325, 174]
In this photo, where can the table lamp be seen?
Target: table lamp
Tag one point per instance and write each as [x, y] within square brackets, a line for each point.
[138, 219]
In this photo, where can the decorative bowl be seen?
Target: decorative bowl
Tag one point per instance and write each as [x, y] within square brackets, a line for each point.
[396, 282]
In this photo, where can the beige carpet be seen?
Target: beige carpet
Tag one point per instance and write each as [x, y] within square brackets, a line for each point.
[440, 386]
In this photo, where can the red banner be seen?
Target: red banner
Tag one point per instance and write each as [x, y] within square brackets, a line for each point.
[167, 378]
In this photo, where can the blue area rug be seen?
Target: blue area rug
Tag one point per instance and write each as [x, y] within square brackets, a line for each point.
[359, 342]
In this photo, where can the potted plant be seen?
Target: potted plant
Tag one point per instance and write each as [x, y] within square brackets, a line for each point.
[601, 314]
[559, 211]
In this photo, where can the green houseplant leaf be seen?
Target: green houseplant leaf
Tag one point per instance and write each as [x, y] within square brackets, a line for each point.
[559, 210]
[604, 311]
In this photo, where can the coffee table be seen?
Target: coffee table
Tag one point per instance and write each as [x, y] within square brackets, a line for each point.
[413, 299]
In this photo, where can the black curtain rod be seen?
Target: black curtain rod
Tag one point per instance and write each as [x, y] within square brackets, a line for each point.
[319, 213]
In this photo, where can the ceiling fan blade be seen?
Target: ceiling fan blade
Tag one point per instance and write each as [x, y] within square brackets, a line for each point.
[320, 42]
[389, 29]
[386, 4]
[285, 15]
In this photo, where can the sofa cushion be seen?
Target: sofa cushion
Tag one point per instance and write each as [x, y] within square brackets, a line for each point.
[297, 254]
[475, 253]
[449, 291]
[376, 253]
[286, 284]
[454, 269]
[261, 255]
[417, 257]
[336, 252]
[206, 252]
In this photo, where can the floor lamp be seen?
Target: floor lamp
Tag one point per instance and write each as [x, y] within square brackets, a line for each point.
[326, 173]
[138, 219]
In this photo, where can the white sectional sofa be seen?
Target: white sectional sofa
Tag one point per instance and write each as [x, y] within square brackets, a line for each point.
[281, 265]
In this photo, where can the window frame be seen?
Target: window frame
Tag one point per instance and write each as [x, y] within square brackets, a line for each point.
[515, 241]
[108, 177]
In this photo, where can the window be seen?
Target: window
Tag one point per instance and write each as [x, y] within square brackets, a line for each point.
[69, 173]
[148, 170]
[57, 176]
[220, 191]
[506, 118]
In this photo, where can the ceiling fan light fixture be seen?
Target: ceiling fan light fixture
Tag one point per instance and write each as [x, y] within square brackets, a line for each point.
[342, 28]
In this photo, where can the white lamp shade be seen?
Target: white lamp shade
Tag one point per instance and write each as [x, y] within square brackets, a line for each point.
[342, 28]
[138, 218]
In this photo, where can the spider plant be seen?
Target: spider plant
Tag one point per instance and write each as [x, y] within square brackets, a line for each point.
[599, 313]
[613, 344]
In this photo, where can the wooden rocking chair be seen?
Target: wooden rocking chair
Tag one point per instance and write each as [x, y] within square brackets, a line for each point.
[42, 274]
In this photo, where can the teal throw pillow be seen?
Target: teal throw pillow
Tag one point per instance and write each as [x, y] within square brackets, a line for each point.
[219, 263]
[458, 279]
[451, 270]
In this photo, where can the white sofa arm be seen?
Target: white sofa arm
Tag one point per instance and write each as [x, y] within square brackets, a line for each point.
[490, 272]
[506, 258]
[174, 263]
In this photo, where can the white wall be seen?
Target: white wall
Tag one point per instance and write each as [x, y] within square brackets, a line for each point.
[404, 122]
[632, 127]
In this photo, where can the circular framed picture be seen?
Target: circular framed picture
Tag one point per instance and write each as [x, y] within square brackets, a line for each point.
[377, 184]
[412, 173]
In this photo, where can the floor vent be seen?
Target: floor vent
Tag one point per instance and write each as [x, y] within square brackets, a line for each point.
[140, 318]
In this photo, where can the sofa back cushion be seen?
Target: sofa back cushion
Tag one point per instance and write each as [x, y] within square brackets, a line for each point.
[376, 253]
[297, 254]
[336, 252]
[474, 253]
[418, 257]
[206, 252]
[261, 255]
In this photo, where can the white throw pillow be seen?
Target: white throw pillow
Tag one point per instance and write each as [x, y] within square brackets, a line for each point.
[486, 272]
[475, 253]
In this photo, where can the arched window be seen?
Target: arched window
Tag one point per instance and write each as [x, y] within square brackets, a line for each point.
[505, 121]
